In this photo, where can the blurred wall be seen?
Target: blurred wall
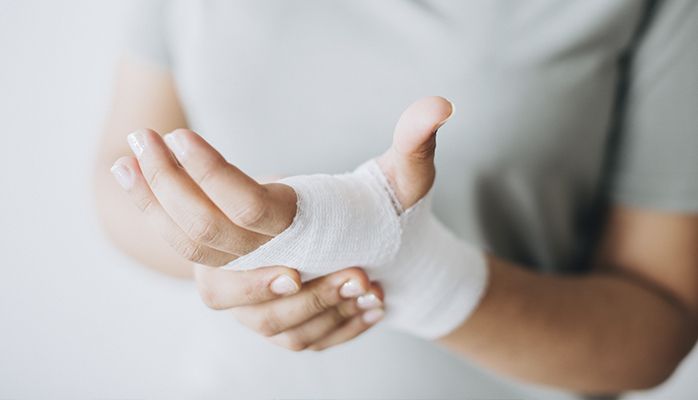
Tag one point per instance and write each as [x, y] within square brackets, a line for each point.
[77, 319]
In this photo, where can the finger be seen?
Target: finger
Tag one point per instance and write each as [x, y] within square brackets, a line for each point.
[303, 335]
[373, 298]
[129, 176]
[184, 201]
[351, 329]
[222, 289]
[417, 125]
[316, 297]
[370, 311]
[410, 160]
[266, 209]
[300, 337]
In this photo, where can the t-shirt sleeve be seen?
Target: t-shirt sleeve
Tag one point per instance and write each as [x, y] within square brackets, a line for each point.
[657, 159]
[146, 34]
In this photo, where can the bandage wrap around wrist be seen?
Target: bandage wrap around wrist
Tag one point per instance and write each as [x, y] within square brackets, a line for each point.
[431, 279]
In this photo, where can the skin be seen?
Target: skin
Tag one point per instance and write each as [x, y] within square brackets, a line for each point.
[626, 325]
[145, 95]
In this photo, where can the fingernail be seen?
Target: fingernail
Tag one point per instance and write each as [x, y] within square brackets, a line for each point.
[372, 316]
[369, 300]
[453, 111]
[283, 284]
[177, 144]
[136, 140]
[351, 289]
[123, 175]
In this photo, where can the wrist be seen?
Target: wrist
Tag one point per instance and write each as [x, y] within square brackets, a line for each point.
[436, 281]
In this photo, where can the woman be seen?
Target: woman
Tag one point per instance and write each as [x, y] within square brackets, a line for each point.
[571, 160]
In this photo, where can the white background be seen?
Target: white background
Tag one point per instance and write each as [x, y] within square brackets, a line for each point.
[77, 319]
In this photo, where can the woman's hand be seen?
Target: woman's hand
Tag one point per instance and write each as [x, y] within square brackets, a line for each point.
[206, 209]
[211, 212]
[327, 311]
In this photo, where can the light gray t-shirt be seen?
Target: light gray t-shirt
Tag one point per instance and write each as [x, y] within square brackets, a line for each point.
[562, 109]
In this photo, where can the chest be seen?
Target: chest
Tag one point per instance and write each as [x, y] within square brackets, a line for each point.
[292, 87]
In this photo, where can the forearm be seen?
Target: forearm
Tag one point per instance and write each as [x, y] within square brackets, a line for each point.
[145, 96]
[126, 228]
[599, 333]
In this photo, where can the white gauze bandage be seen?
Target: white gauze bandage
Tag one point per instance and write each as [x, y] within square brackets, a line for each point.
[431, 279]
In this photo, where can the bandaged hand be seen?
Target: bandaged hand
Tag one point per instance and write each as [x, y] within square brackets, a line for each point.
[378, 217]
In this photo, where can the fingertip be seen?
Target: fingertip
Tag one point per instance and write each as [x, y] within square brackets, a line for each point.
[291, 272]
[295, 276]
[127, 165]
[145, 141]
[284, 285]
[188, 137]
[372, 316]
[437, 108]
[138, 137]
[177, 145]
[142, 132]
[183, 131]
[451, 111]
[356, 271]
[420, 121]
[125, 170]
[182, 134]
[127, 161]
[357, 275]
[283, 281]
[377, 289]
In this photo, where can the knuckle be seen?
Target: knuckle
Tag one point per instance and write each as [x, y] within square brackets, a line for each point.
[252, 212]
[345, 310]
[269, 325]
[316, 302]
[193, 252]
[203, 230]
[425, 152]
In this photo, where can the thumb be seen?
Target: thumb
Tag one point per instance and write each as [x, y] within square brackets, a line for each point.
[409, 163]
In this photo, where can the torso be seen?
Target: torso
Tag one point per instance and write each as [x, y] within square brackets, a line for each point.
[284, 88]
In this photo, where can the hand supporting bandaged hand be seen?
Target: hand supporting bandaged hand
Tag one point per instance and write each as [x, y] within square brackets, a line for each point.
[377, 217]
[431, 279]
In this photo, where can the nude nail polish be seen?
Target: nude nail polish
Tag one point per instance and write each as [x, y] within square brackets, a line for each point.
[351, 288]
[136, 140]
[123, 176]
[176, 143]
[368, 301]
[372, 316]
[283, 285]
